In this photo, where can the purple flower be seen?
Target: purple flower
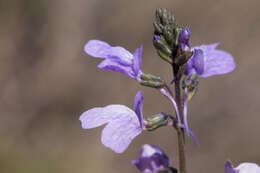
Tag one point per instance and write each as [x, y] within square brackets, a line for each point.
[208, 61]
[123, 124]
[184, 39]
[116, 58]
[152, 159]
[242, 168]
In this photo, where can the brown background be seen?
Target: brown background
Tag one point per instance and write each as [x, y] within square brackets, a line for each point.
[47, 81]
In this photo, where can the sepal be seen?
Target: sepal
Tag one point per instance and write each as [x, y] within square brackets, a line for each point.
[151, 81]
[157, 120]
[146, 76]
[153, 84]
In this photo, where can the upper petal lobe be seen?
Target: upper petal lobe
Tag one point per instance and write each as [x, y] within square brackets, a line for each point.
[98, 116]
[97, 48]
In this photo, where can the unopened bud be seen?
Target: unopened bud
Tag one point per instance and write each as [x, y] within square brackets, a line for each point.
[156, 121]
[162, 45]
[157, 28]
[165, 57]
[184, 39]
[178, 31]
[153, 84]
[165, 24]
[168, 32]
[150, 77]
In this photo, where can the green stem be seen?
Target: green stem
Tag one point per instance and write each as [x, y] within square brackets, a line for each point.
[180, 131]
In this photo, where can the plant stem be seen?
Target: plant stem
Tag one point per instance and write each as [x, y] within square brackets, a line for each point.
[180, 131]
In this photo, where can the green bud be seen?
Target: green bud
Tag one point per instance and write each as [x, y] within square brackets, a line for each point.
[190, 84]
[164, 56]
[153, 84]
[168, 32]
[156, 121]
[158, 14]
[158, 28]
[161, 44]
[177, 34]
[164, 17]
[151, 77]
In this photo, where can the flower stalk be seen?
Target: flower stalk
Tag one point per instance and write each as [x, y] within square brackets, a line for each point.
[180, 131]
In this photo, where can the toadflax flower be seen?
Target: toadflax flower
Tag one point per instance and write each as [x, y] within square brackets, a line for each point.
[123, 124]
[116, 58]
[208, 61]
[152, 159]
[242, 168]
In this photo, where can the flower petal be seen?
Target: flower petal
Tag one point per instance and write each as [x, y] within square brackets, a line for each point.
[138, 107]
[98, 116]
[109, 64]
[137, 61]
[189, 70]
[216, 61]
[100, 49]
[198, 61]
[119, 133]
[152, 159]
[122, 55]
[248, 168]
[184, 39]
[97, 48]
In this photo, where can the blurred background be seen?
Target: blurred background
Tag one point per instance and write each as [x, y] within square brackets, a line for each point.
[47, 81]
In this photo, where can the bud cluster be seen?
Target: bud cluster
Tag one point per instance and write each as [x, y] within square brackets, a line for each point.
[171, 41]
